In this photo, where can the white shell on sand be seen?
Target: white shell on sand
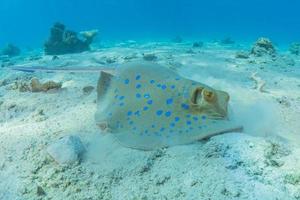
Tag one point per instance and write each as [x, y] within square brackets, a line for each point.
[66, 150]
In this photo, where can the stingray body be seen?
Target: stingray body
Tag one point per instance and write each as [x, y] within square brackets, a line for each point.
[147, 106]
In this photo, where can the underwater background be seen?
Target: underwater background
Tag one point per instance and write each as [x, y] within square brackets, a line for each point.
[180, 71]
[26, 23]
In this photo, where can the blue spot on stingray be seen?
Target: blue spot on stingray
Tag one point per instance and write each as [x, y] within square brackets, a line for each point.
[203, 117]
[149, 102]
[138, 95]
[188, 122]
[169, 101]
[147, 96]
[146, 131]
[146, 108]
[177, 79]
[121, 104]
[110, 114]
[159, 112]
[195, 118]
[162, 129]
[168, 114]
[126, 81]
[152, 126]
[152, 81]
[138, 77]
[177, 119]
[193, 83]
[137, 112]
[131, 122]
[172, 86]
[163, 87]
[129, 113]
[188, 116]
[185, 106]
[158, 85]
[138, 86]
[172, 124]
[121, 97]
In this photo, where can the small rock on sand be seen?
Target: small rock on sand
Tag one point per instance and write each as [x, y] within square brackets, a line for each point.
[87, 90]
[149, 56]
[242, 55]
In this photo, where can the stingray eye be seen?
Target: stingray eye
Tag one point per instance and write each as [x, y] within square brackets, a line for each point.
[196, 94]
[209, 96]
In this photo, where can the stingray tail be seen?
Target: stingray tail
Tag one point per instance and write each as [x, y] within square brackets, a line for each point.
[86, 69]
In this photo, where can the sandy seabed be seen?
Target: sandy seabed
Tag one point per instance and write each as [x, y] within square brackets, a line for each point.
[261, 163]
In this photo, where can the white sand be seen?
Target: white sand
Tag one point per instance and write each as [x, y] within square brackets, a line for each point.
[262, 163]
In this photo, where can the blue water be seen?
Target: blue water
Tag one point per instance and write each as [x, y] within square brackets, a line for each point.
[27, 22]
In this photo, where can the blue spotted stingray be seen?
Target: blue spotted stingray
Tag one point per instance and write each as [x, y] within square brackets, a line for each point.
[147, 106]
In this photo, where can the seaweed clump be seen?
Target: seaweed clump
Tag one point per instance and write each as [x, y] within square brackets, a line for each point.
[262, 47]
[63, 41]
[10, 50]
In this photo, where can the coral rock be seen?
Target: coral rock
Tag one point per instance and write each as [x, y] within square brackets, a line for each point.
[263, 46]
[62, 41]
[36, 86]
[295, 49]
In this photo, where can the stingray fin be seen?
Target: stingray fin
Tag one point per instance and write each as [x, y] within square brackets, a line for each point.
[103, 84]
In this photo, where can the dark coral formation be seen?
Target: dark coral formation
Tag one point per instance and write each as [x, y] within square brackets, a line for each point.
[62, 41]
[177, 39]
[227, 41]
[198, 44]
[295, 48]
[10, 50]
[262, 47]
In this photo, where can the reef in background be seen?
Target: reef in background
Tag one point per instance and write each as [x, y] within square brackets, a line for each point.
[63, 41]
[10, 50]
